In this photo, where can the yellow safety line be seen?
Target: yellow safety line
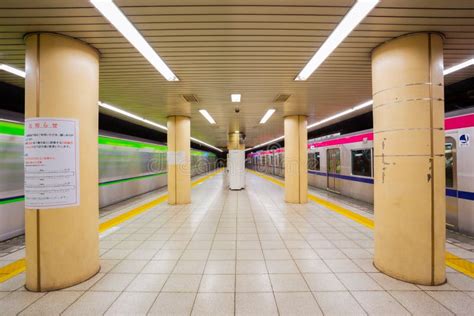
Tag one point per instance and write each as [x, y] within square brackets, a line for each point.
[12, 269]
[457, 263]
[9, 271]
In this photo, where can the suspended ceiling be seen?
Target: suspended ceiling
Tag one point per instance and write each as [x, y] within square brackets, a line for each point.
[252, 47]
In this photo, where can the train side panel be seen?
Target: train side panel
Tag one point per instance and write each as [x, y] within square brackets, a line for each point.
[127, 168]
[463, 188]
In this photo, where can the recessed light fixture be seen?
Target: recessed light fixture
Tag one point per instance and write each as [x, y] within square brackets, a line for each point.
[267, 116]
[207, 116]
[141, 119]
[356, 14]
[236, 132]
[12, 70]
[115, 16]
[460, 66]
[235, 97]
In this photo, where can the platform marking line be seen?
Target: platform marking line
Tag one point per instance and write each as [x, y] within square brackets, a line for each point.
[10, 270]
[459, 264]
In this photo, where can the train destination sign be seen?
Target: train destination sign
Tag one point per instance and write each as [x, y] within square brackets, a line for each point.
[51, 163]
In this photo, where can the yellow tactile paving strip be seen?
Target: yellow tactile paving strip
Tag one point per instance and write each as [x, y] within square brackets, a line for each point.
[457, 263]
[9, 271]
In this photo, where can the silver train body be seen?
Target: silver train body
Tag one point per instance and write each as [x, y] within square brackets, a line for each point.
[344, 164]
[127, 167]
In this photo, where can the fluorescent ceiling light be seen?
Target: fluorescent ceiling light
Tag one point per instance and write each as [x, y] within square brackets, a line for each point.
[141, 119]
[337, 115]
[266, 143]
[130, 115]
[205, 144]
[207, 116]
[12, 70]
[357, 13]
[267, 116]
[235, 97]
[460, 66]
[115, 16]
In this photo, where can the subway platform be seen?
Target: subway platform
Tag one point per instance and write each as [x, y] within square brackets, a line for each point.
[240, 253]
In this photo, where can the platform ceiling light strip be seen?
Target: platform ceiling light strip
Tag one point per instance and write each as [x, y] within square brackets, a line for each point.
[267, 116]
[205, 144]
[235, 97]
[141, 119]
[335, 116]
[457, 67]
[207, 116]
[357, 13]
[12, 70]
[115, 16]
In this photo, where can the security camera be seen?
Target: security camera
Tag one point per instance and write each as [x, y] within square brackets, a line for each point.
[237, 110]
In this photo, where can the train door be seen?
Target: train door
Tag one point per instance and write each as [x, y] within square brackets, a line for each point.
[451, 183]
[333, 168]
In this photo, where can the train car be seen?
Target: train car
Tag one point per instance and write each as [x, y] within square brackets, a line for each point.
[127, 167]
[344, 164]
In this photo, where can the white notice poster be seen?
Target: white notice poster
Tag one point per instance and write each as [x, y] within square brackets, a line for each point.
[51, 163]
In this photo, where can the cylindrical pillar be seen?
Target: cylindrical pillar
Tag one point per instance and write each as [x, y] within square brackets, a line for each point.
[296, 159]
[179, 160]
[234, 142]
[408, 109]
[62, 81]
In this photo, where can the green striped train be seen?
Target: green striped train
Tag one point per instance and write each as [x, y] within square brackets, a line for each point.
[127, 167]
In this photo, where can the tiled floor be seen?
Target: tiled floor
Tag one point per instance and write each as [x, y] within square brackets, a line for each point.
[240, 253]
[461, 245]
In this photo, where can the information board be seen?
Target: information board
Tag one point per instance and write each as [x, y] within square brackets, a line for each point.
[51, 163]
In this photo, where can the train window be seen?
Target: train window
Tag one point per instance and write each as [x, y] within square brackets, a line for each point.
[313, 161]
[310, 161]
[362, 162]
[316, 161]
[449, 155]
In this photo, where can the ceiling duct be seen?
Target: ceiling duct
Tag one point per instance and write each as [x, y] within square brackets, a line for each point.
[190, 98]
[282, 98]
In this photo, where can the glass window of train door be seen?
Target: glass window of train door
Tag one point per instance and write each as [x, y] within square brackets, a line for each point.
[450, 162]
[310, 161]
[333, 166]
[317, 161]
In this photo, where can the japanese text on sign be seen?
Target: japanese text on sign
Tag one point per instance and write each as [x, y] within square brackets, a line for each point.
[51, 163]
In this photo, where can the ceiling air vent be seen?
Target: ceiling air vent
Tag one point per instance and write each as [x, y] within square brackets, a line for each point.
[190, 98]
[281, 98]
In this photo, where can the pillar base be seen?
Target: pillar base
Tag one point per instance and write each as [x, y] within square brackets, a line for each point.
[398, 277]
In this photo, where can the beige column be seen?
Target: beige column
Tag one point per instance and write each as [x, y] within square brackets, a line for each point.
[179, 160]
[233, 142]
[62, 81]
[407, 80]
[296, 159]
